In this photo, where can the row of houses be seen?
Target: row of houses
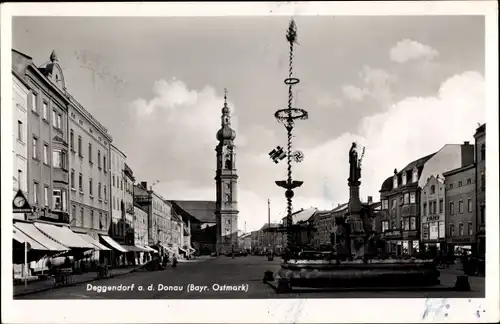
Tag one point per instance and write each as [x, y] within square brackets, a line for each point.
[437, 200]
[69, 175]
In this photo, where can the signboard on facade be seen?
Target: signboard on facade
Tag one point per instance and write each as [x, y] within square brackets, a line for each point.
[392, 234]
[432, 218]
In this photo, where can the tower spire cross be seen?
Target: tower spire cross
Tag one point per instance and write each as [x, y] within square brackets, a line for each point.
[225, 96]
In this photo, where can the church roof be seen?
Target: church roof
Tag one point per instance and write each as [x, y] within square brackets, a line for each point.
[202, 211]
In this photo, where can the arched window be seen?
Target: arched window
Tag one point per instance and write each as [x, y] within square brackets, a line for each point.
[483, 152]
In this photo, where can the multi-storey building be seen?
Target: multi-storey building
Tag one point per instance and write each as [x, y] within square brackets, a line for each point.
[119, 224]
[89, 143]
[140, 231]
[47, 138]
[401, 195]
[432, 216]
[20, 93]
[460, 212]
[128, 197]
[480, 180]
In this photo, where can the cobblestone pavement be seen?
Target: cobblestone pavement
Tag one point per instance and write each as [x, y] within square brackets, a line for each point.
[220, 274]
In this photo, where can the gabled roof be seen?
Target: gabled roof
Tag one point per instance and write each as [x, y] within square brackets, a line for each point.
[273, 225]
[418, 163]
[302, 215]
[202, 211]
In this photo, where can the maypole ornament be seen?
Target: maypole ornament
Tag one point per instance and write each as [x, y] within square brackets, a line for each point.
[287, 117]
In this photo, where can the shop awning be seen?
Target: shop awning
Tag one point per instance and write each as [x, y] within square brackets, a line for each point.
[22, 238]
[98, 246]
[134, 248]
[34, 233]
[150, 249]
[113, 243]
[183, 250]
[169, 249]
[64, 235]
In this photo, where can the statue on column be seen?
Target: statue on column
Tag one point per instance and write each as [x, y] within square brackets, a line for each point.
[354, 163]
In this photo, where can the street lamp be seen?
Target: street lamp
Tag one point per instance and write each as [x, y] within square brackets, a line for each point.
[287, 117]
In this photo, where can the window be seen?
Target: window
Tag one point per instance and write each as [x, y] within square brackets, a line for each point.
[412, 198]
[406, 198]
[385, 204]
[452, 208]
[461, 206]
[469, 181]
[46, 195]
[394, 202]
[414, 175]
[81, 223]
[441, 205]
[228, 222]
[104, 165]
[451, 185]
[452, 230]
[80, 146]
[19, 130]
[59, 121]
[395, 182]
[80, 182]
[483, 152]
[105, 193]
[35, 193]
[460, 229]
[121, 184]
[413, 223]
[459, 183]
[35, 148]
[113, 180]
[90, 152]
[59, 159]
[101, 221]
[434, 207]
[72, 140]
[406, 223]
[46, 153]
[57, 199]
[403, 178]
[99, 193]
[90, 186]
[73, 213]
[483, 181]
[45, 111]
[54, 118]
[469, 205]
[114, 203]
[91, 219]
[72, 178]
[98, 159]
[424, 209]
[469, 229]
[19, 177]
[441, 230]
[33, 101]
[433, 189]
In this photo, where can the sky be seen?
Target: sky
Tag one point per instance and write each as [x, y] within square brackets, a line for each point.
[402, 87]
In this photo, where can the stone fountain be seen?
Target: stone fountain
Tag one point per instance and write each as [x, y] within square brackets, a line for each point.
[354, 264]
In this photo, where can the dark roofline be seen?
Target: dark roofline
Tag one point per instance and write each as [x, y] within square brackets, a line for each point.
[458, 170]
[21, 53]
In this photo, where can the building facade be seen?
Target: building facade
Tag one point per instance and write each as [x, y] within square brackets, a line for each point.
[461, 211]
[20, 93]
[89, 143]
[226, 180]
[119, 223]
[480, 178]
[128, 197]
[140, 231]
[47, 138]
[432, 218]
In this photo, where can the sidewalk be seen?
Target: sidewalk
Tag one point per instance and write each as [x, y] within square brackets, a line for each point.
[38, 286]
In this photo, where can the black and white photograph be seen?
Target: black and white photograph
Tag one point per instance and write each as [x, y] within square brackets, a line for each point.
[284, 156]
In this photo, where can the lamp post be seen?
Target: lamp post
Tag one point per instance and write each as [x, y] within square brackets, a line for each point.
[287, 117]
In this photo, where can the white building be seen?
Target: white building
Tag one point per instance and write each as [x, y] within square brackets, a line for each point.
[117, 194]
[140, 230]
[20, 93]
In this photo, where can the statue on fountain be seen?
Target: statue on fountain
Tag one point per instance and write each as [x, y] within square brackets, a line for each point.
[354, 164]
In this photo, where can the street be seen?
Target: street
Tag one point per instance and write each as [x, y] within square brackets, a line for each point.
[226, 278]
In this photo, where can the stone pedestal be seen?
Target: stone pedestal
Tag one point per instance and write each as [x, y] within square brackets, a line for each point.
[357, 234]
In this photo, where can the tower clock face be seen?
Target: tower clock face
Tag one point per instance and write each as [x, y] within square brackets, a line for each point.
[19, 202]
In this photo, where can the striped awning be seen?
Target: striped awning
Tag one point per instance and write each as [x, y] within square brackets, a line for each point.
[23, 238]
[113, 243]
[34, 233]
[150, 249]
[98, 246]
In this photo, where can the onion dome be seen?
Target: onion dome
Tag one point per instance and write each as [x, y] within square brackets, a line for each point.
[226, 133]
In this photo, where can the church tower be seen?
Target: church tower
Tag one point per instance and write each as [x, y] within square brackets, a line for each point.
[226, 180]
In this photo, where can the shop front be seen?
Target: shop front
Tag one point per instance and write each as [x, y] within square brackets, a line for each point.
[433, 234]
[401, 243]
[461, 245]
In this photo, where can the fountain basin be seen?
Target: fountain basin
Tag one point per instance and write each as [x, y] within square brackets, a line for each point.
[349, 274]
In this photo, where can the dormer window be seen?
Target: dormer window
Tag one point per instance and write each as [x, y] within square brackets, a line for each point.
[404, 178]
[414, 177]
[395, 182]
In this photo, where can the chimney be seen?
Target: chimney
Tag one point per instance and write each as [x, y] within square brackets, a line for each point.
[467, 152]
[144, 184]
[370, 199]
